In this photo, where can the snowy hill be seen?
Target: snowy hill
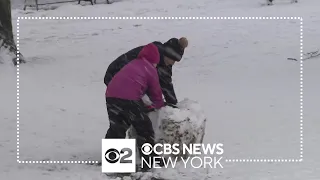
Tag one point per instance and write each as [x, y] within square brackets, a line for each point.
[237, 70]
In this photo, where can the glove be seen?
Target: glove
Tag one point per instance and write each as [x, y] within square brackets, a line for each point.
[150, 108]
[171, 105]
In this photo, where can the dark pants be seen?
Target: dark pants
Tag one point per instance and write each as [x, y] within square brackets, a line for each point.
[123, 113]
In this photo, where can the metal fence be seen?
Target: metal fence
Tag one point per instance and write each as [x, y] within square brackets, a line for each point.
[19, 4]
[24, 4]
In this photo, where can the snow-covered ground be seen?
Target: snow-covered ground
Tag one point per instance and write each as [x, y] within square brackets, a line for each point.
[237, 70]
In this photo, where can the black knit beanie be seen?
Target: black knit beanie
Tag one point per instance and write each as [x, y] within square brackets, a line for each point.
[174, 48]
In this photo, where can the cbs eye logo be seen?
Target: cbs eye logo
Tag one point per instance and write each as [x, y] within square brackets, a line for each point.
[113, 155]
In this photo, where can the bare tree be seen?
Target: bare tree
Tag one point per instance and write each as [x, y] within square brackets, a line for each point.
[6, 33]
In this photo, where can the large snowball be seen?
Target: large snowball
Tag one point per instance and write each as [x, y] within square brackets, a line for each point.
[182, 125]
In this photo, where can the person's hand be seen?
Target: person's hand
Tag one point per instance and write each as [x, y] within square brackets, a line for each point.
[171, 105]
[150, 108]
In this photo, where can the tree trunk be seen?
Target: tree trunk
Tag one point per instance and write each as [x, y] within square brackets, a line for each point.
[6, 33]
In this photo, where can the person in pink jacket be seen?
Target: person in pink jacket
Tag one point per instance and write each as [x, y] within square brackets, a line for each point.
[124, 93]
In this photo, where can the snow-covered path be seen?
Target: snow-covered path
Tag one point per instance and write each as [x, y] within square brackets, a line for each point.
[237, 69]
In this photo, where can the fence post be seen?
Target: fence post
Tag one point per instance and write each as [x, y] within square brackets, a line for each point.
[26, 4]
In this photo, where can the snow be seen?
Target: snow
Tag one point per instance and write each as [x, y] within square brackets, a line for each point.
[236, 69]
[6, 56]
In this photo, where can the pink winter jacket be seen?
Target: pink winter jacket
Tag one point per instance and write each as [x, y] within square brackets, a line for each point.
[137, 78]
